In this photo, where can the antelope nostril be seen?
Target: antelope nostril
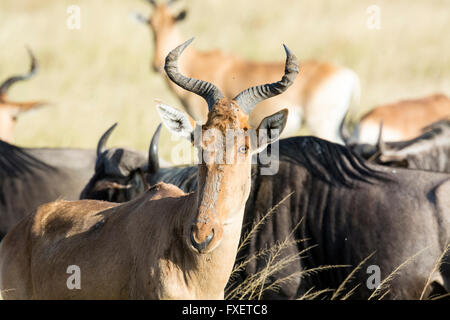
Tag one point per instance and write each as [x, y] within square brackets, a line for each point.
[201, 246]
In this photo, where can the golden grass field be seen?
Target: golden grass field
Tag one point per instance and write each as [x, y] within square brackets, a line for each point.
[101, 74]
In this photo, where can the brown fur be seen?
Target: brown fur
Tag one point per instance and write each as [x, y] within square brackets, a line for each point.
[140, 249]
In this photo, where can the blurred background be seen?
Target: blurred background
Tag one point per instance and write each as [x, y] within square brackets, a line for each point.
[100, 74]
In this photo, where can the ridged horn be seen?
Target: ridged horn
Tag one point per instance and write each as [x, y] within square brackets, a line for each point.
[250, 97]
[153, 159]
[103, 139]
[204, 89]
[10, 81]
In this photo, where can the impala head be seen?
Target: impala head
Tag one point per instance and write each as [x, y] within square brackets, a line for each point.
[225, 144]
[162, 22]
[9, 110]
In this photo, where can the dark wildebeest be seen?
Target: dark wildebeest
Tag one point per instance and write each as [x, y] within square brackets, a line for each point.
[122, 174]
[430, 151]
[125, 164]
[30, 177]
[345, 207]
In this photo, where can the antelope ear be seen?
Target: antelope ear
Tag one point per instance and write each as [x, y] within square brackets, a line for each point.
[32, 105]
[181, 16]
[176, 121]
[270, 129]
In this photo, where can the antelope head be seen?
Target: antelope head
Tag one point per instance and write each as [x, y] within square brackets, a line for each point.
[9, 110]
[162, 22]
[225, 144]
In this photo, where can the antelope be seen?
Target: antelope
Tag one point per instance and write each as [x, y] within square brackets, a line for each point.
[403, 120]
[9, 110]
[319, 100]
[172, 245]
[351, 211]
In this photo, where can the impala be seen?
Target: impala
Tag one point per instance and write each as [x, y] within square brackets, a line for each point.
[403, 120]
[318, 100]
[9, 110]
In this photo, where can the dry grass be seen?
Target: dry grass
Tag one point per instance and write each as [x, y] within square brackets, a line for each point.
[341, 287]
[436, 267]
[100, 74]
[384, 285]
[276, 261]
[256, 284]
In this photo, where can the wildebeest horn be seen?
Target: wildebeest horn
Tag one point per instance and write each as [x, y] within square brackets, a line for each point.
[103, 139]
[10, 81]
[250, 97]
[343, 131]
[153, 159]
[206, 90]
[381, 146]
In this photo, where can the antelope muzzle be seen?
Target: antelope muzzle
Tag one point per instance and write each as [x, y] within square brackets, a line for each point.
[204, 237]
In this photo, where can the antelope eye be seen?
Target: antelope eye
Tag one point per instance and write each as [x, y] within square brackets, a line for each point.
[243, 149]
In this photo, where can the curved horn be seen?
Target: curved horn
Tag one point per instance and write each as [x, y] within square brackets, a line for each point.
[153, 159]
[206, 90]
[10, 81]
[250, 97]
[103, 139]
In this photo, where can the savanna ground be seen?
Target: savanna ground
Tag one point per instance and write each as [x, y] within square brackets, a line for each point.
[100, 74]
